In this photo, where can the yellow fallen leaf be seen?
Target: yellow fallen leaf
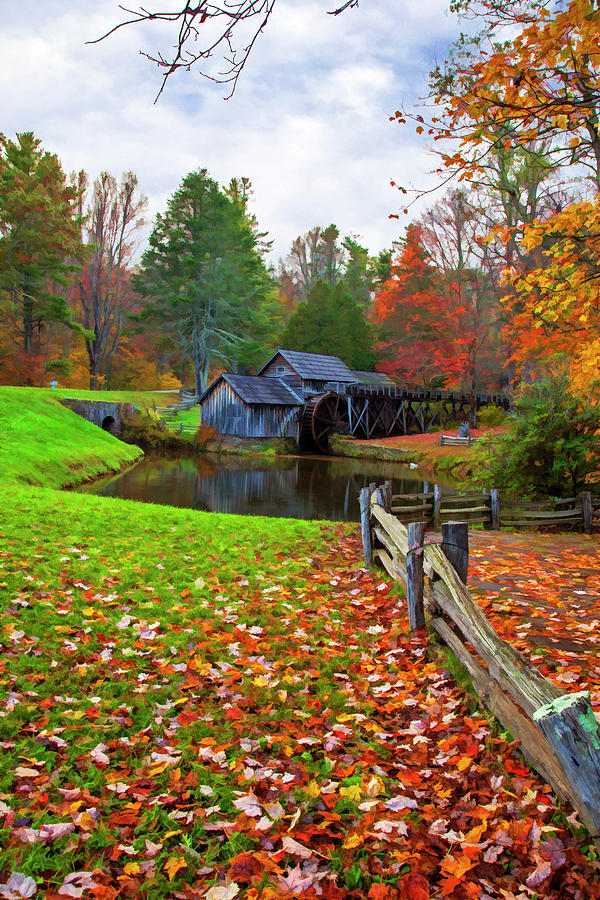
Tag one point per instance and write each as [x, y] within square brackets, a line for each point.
[312, 790]
[282, 695]
[174, 864]
[353, 840]
[353, 792]
[259, 681]
[85, 822]
[131, 868]
[171, 834]
[464, 763]
[474, 835]
[373, 787]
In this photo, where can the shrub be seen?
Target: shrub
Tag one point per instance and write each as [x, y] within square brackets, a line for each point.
[491, 416]
[145, 431]
[552, 445]
[203, 436]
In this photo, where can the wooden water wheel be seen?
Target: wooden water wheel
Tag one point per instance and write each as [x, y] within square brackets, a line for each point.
[322, 415]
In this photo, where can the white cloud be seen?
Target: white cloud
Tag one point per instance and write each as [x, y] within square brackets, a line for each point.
[308, 124]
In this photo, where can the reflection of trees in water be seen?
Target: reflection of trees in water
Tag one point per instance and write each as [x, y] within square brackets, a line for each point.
[234, 491]
[300, 487]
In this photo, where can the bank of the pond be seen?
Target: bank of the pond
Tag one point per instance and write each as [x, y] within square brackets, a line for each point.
[460, 464]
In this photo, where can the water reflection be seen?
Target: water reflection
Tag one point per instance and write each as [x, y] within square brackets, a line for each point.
[300, 488]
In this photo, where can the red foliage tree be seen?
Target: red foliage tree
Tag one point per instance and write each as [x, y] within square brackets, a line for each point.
[437, 325]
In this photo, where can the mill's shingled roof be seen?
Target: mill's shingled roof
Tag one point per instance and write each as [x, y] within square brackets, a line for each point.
[252, 389]
[314, 366]
[375, 378]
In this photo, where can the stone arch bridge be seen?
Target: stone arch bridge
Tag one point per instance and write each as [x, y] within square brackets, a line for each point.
[107, 415]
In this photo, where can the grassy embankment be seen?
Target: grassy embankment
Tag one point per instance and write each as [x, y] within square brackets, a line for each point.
[43, 443]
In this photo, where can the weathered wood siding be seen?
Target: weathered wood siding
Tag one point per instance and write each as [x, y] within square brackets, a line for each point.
[289, 375]
[228, 414]
[278, 362]
[313, 387]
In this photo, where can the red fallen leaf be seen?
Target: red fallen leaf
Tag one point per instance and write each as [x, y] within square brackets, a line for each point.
[413, 887]
[515, 768]
[234, 713]
[382, 892]
[448, 885]
[245, 867]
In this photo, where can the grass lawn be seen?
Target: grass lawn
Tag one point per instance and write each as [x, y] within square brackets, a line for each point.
[196, 705]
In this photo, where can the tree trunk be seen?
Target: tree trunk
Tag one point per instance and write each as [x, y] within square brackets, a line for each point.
[198, 369]
[28, 325]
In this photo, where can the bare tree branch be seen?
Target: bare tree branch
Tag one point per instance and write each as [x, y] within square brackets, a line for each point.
[228, 17]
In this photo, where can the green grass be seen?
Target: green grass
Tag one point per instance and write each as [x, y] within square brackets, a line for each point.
[43, 443]
[185, 417]
[86, 580]
[143, 399]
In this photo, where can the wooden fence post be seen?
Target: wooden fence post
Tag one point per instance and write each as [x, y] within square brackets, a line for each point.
[587, 510]
[387, 486]
[437, 505]
[455, 547]
[425, 487]
[365, 526]
[414, 576]
[572, 731]
[495, 504]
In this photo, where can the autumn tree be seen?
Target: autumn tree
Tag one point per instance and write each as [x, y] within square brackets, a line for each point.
[204, 280]
[407, 309]
[114, 216]
[314, 256]
[529, 82]
[40, 236]
[321, 255]
[454, 235]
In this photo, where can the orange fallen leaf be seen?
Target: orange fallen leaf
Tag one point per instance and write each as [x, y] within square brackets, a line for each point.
[173, 865]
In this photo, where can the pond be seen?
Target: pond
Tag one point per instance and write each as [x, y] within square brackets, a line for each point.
[295, 487]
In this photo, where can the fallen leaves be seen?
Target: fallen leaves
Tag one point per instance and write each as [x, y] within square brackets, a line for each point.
[265, 730]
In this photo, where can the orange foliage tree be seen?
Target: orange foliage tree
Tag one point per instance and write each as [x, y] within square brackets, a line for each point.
[530, 83]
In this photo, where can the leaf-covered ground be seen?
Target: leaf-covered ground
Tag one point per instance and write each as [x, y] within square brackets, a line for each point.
[197, 705]
[542, 593]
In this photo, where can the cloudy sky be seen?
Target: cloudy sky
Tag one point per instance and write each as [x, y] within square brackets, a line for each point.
[308, 123]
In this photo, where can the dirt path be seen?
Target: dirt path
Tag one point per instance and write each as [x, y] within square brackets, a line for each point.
[542, 593]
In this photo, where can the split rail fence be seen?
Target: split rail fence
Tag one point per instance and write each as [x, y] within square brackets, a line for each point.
[454, 440]
[558, 732]
[487, 508]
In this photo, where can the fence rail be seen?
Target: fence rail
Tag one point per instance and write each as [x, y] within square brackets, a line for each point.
[558, 732]
[489, 509]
